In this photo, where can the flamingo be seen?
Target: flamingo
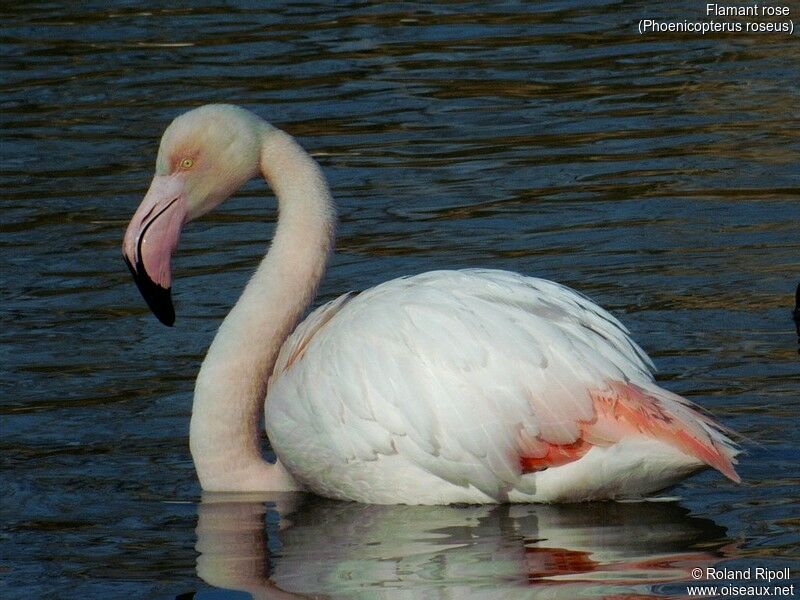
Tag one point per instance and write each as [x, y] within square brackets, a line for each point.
[468, 386]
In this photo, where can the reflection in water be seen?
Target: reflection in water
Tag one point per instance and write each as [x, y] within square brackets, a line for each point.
[317, 546]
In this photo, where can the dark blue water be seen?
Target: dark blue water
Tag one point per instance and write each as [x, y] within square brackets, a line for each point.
[658, 174]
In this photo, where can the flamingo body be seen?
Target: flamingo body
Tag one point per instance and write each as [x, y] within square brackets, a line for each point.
[449, 386]
[474, 386]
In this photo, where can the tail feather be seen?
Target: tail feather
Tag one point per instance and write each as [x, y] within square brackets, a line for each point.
[626, 407]
[623, 410]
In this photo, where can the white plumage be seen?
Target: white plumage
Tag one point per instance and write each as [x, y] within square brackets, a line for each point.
[418, 389]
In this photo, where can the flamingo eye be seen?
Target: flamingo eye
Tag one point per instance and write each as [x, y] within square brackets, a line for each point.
[187, 163]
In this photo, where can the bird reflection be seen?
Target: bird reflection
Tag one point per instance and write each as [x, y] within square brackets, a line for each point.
[295, 546]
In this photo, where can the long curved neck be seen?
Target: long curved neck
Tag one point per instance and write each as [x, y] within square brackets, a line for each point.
[231, 386]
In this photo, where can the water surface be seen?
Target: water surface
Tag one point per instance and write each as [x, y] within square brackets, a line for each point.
[659, 175]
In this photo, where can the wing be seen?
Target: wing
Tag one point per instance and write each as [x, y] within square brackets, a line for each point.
[477, 376]
[295, 346]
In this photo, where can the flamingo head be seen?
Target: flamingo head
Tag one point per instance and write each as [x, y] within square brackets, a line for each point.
[205, 155]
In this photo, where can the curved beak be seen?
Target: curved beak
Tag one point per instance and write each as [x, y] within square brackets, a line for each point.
[150, 240]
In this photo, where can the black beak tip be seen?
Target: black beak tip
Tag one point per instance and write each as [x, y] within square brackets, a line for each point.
[158, 299]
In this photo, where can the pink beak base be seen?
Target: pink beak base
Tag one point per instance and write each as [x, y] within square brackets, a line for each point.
[150, 240]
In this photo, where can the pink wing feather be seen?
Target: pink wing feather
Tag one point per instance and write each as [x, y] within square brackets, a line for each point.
[626, 409]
